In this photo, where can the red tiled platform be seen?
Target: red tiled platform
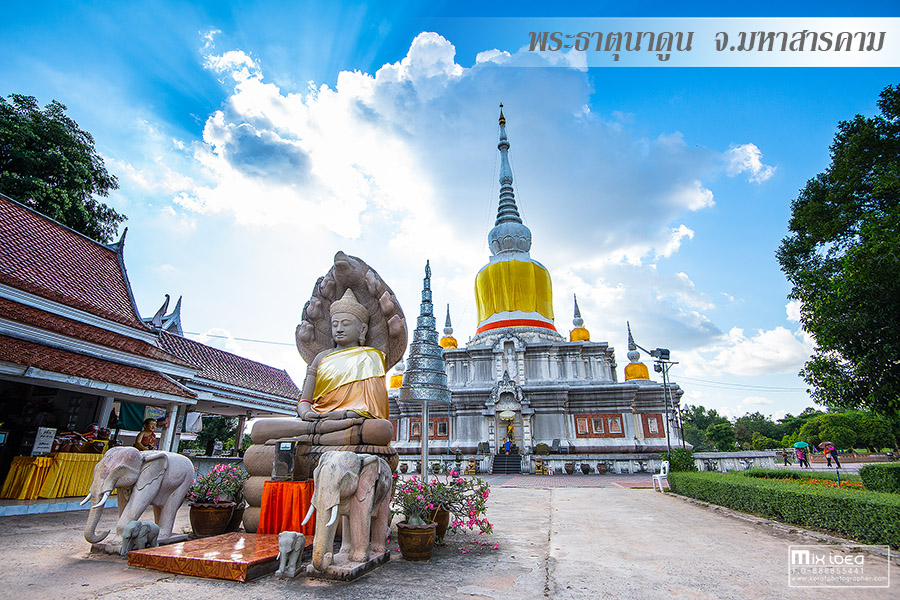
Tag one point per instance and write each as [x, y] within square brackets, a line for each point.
[234, 556]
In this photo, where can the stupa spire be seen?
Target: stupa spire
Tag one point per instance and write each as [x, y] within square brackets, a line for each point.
[509, 234]
[448, 341]
[635, 369]
[579, 334]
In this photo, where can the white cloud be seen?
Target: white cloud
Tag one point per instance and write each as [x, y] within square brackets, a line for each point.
[775, 351]
[792, 309]
[748, 159]
[756, 401]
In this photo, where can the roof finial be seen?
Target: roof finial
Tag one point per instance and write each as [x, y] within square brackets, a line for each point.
[631, 344]
[448, 327]
[502, 118]
[577, 321]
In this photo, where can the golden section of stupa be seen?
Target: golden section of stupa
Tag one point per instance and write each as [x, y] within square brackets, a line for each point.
[634, 369]
[579, 334]
[448, 341]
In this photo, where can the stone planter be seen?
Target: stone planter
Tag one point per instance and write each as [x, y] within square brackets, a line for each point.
[416, 541]
[210, 519]
[586, 468]
[570, 468]
[404, 467]
[601, 468]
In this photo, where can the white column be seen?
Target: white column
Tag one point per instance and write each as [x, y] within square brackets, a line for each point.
[169, 434]
[104, 409]
[238, 441]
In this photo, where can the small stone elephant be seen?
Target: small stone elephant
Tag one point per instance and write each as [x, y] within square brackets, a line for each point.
[290, 547]
[138, 535]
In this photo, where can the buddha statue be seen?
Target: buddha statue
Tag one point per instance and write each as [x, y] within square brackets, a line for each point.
[351, 333]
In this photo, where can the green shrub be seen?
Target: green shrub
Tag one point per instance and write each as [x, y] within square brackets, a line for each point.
[542, 449]
[870, 517]
[794, 474]
[881, 478]
[679, 459]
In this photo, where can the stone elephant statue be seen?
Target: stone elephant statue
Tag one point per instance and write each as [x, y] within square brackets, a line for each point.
[290, 547]
[143, 478]
[356, 487]
[138, 535]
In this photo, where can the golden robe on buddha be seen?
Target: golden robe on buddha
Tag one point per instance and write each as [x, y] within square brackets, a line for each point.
[352, 379]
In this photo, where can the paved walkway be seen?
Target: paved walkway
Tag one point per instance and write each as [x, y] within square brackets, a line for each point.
[553, 542]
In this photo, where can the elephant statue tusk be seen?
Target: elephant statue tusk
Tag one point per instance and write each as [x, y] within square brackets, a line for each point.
[309, 515]
[85, 501]
[102, 500]
[334, 514]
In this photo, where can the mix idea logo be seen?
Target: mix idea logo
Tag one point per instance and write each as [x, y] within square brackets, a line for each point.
[828, 566]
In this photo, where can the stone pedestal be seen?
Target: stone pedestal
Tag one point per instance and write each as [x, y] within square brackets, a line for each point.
[350, 570]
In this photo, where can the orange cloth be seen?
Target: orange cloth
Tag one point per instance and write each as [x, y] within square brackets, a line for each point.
[284, 504]
[369, 395]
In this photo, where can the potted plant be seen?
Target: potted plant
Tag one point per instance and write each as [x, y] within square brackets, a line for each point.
[213, 498]
[416, 533]
[465, 500]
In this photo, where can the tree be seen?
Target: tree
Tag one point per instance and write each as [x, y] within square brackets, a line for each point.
[49, 164]
[842, 256]
[696, 422]
[722, 436]
[751, 423]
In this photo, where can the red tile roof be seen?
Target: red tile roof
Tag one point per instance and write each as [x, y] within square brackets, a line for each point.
[230, 369]
[42, 257]
[30, 354]
[64, 326]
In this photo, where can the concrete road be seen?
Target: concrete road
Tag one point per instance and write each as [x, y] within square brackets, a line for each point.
[565, 542]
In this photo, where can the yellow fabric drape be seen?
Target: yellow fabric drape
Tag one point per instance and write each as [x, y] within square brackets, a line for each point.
[513, 285]
[346, 366]
[367, 397]
[636, 371]
[26, 476]
[352, 379]
[70, 475]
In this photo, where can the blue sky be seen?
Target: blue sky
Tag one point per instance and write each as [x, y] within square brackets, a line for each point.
[253, 140]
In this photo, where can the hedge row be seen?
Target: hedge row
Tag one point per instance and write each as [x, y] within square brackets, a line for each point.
[881, 478]
[792, 474]
[870, 517]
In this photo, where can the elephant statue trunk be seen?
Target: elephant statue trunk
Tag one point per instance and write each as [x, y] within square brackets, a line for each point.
[323, 545]
[90, 529]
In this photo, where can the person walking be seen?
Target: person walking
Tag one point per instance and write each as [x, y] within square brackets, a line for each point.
[787, 461]
[831, 452]
[801, 456]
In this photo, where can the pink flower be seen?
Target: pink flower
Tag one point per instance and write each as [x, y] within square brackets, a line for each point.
[465, 550]
[496, 546]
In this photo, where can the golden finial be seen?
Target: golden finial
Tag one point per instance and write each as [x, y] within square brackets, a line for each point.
[502, 118]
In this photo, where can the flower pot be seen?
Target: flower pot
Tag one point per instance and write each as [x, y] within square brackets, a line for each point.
[210, 519]
[416, 541]
[585, 468]
[601, 468]
[441, 518]
[237, 518]
[570, 468]
[404, 467]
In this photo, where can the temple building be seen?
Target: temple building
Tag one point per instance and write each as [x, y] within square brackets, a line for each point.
[518, 379]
